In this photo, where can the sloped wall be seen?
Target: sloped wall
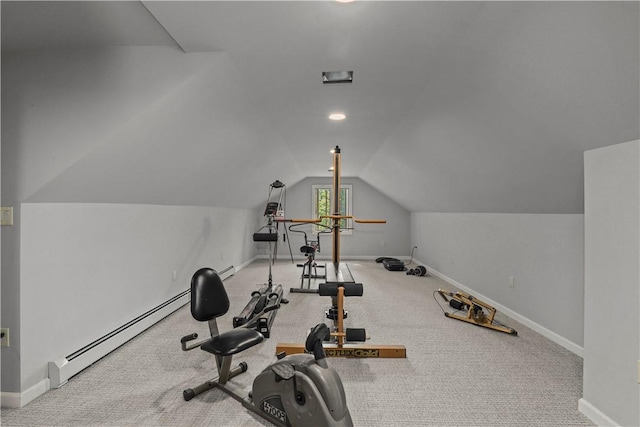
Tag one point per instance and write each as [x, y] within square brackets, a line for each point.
[89, 127]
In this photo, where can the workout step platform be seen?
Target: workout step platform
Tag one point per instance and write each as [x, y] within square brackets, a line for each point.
[393, 264]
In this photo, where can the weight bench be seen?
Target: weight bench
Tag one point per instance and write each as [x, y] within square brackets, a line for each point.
[337, 313]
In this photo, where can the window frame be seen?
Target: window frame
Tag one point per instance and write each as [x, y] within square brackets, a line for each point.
[348, 205]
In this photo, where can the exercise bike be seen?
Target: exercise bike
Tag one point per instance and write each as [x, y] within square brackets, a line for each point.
[296, 390]
[309, 249]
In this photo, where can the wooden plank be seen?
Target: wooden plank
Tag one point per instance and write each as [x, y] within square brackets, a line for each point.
[350, 350]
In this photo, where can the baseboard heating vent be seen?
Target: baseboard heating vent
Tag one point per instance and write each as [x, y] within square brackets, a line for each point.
[227, 272]
[62, 369]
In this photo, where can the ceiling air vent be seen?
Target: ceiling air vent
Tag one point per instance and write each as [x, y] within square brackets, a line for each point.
[334, 77]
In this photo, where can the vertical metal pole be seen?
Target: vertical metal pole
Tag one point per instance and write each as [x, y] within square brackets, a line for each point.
[336, 206]
[271, 258]
[340, 314]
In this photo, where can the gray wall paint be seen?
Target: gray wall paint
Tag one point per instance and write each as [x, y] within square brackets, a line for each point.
[141, 111]
[367, 240]
[64, 106]
[10, 301]
[79, 105]
[543, 252]
[89, 268]
[612, 277]
[59, 107]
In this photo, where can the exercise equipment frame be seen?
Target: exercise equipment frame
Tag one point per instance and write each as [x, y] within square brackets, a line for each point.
[475, 311]
[338, 274]
[296, 390]
[309, 249]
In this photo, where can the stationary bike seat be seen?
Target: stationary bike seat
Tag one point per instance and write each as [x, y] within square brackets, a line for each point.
[233, 341]
[307, 250]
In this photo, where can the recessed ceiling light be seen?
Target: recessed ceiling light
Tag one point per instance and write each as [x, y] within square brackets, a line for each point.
[337, 116]
[333, 77]
[345, 1]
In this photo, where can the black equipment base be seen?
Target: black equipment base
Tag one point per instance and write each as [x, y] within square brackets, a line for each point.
[393, 264]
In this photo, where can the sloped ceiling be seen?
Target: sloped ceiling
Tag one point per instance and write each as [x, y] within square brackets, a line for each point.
[455, 106]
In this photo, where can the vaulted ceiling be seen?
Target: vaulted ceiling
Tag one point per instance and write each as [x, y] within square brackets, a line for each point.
[454, 106]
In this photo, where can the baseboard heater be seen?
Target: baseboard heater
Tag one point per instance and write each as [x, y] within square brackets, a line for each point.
[61, 370]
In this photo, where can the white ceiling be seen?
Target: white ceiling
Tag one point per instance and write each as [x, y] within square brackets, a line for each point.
[455, 106]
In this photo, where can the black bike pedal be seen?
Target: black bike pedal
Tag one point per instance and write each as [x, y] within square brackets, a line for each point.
[283, 370]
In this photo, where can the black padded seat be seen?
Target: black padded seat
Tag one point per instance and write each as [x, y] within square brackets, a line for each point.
[307, 250]
[233, 341]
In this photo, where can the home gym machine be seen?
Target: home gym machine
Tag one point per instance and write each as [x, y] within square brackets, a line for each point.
[296, 390]
[274, 211]
[310, 266]
[268, 295]
[478, 312]
[339, 283]
[260, 303]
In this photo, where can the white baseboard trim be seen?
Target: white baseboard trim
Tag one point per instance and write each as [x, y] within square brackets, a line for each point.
[244, 264]
[569, 345]
[11, 400]
[63, 368]
[595, 415]
[18, 400]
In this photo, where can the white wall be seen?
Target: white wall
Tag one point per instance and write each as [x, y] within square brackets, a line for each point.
[57, 107]
[612, 278]
[88, 126]
[367, 240]
[87, 269]
[542, 252]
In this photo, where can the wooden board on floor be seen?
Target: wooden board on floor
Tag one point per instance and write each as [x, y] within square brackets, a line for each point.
[350, 350]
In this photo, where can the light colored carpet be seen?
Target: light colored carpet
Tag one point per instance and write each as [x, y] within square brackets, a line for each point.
[455, 374]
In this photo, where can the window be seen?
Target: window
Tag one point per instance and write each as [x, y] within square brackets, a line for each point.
[322, 199]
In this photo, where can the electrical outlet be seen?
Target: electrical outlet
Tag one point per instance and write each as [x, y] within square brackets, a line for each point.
[512, 283]
[6, 215]
[4, 337]
[174, 275]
